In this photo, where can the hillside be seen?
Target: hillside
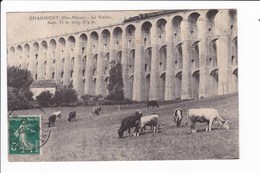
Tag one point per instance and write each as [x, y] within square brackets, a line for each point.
[92, 138]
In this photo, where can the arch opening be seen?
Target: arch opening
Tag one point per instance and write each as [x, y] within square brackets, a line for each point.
[12, 50]
[106, 64]
[148, 60]
[105, 35]
[147, 87]
[117, 37]
[27, 47]
[213, 83]
[176, 23]
[119, 57]
[146, 33]
[233, 60]
[213, 59]
[178, 61]
[195, 84]
[131, 81]
[160, 29]
[210, 22]
[194, 61]
[131, 63]
[71, 40]
[177, 85]
[235, 81]
[44, 45]
[19, 48]
[36, 46]
[53, 43]
[192, 25]
[130, 36]
[62, 41]
[94, 41]
[162, 59]
[162, 86]
[233, 19]
[83, 38]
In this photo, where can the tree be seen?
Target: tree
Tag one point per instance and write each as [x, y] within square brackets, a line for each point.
[58, 98]
[18, 78]
[115, 86]
[18, 82]
[70, 96]
[44, 98]
[65, 96]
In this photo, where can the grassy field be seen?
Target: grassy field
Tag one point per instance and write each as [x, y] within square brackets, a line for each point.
[93, 138]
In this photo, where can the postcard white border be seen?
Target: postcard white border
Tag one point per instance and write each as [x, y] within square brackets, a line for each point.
[249, 91]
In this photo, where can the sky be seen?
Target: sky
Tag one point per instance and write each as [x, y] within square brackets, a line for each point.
[25, 27]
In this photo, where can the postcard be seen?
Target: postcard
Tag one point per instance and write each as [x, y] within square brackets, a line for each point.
[137, 84]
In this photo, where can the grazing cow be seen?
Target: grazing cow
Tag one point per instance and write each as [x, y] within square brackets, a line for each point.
[177, 116]
[51, 120]
[57, 114]
[205, 115]
[132, 121]
[96, 110]
[152, 104]
[150, 120]
[72, 116]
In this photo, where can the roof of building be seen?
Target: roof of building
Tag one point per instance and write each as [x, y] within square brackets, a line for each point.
[44, 84]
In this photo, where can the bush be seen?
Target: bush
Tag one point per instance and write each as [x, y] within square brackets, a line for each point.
[70, 96]
[65, 96]
[116, 102]
[44, 99]
[58, 98]
[91, 99]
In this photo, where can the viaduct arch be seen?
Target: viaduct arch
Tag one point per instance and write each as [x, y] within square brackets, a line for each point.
[184, 54]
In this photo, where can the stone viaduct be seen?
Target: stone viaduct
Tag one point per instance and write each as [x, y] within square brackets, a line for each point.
[165, 55]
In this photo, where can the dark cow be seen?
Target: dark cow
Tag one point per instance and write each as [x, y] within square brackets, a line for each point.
[177, 115]
[152, 104]
[72, 116]
[51, 120]
[96, 110]
[132, 121]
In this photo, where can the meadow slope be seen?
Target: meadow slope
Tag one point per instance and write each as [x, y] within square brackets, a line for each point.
[94, 138]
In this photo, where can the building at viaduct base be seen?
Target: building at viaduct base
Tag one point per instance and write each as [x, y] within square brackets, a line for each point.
[165, 55]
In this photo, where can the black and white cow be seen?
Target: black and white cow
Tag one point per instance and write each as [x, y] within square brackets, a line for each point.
[57, 114]
[205, 115]
[129, 122]
[96, 110]
[177, 116]
[72, 116]
[51, 120]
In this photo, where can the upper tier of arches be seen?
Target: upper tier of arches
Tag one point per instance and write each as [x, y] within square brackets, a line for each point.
[174, 27]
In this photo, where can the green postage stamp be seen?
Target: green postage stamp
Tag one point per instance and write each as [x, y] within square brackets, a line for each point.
[24, 134]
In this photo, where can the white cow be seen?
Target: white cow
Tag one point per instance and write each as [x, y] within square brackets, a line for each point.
[150, 120]
[205, 115]
[57, 114]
